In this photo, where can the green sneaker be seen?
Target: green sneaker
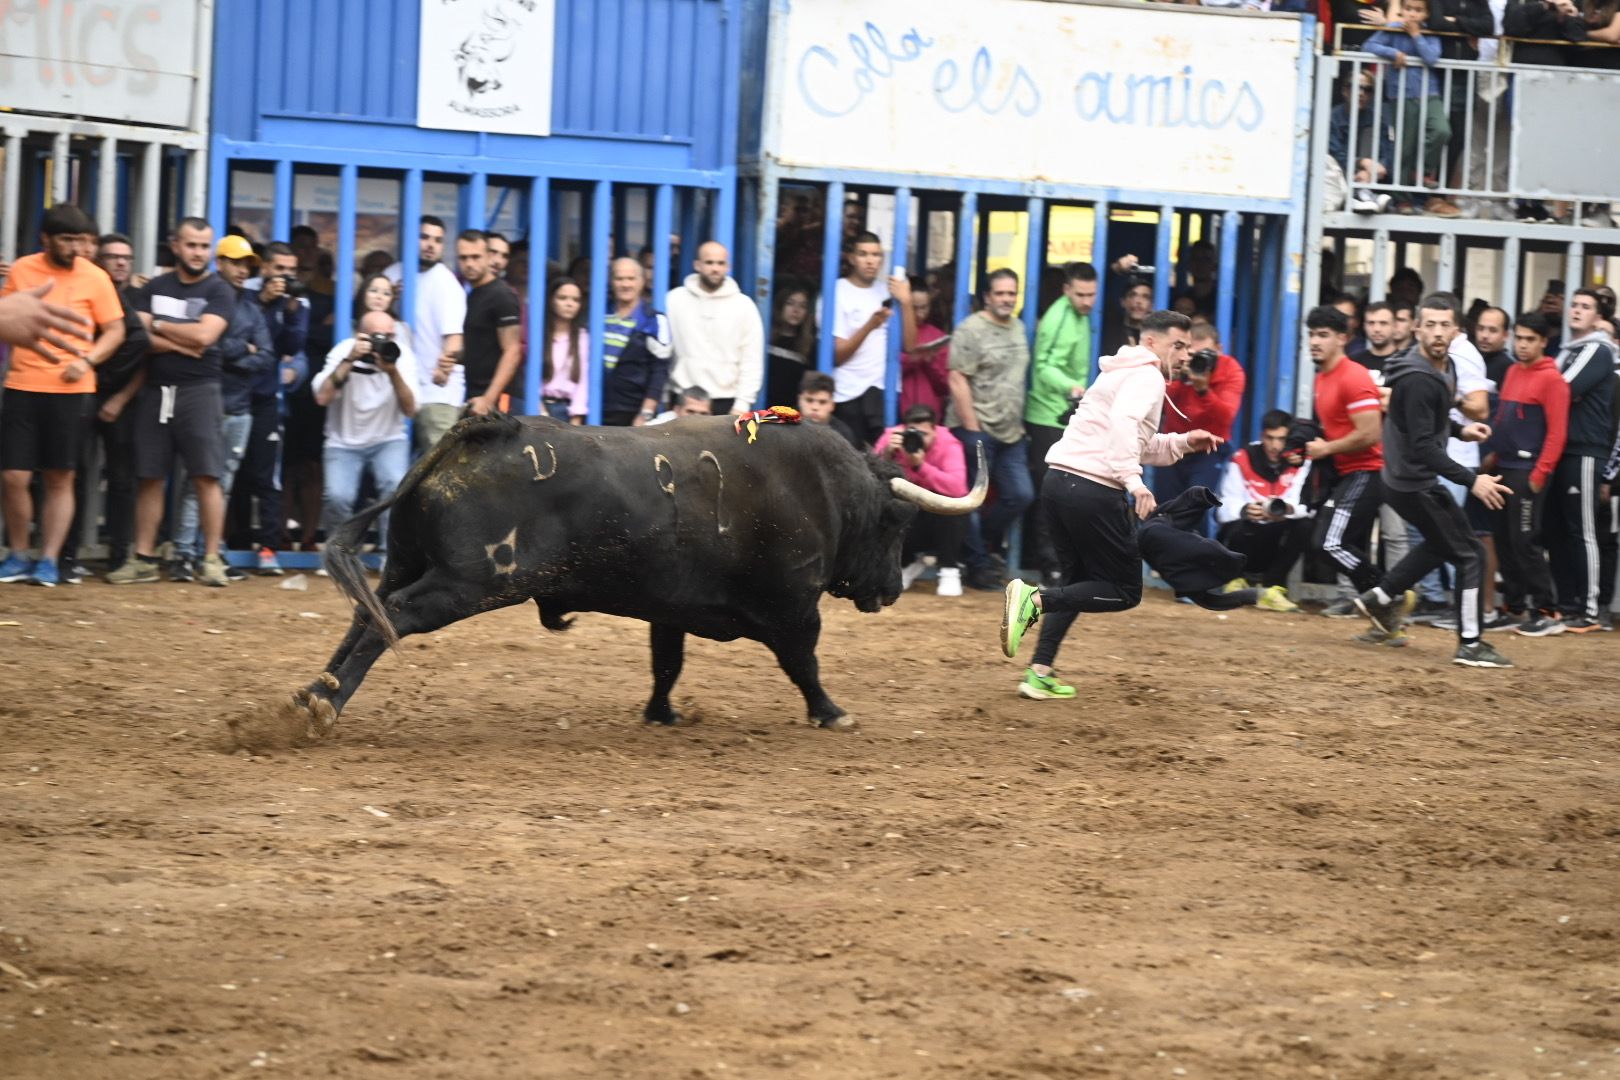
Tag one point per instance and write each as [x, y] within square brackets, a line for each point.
[1018, 614]
[135, 571]
[1043, 687]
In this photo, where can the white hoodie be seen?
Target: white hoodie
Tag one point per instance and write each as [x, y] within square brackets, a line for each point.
[1114, 431]
[719, 340]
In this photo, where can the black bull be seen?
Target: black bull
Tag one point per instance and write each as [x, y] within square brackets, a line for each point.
[686, 526]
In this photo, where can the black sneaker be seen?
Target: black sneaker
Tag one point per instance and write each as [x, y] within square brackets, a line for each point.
[1580, 624]
[1502, 619]
[1385, 616]
[1429, 610]
[235, 573]
[1480, 654]
[181, 570]
[1606, 621]
[984, 579]
[1341, 609]
[1543, 625]
[72, 571]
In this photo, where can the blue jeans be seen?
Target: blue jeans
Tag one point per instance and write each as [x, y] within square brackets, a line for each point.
[1194, 470]
[1014, 491]
[188, 541]
[1432, 587]
[345, 467]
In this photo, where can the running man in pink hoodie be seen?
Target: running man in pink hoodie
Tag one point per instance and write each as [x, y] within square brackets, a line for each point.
[1093, 496]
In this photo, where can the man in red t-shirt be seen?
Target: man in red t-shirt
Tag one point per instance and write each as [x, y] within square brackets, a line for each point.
[1351, 414]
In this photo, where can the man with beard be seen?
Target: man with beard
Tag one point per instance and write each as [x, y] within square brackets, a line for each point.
[1422, 393]
[1378, 324]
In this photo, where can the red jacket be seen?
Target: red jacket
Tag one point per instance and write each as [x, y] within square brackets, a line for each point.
[1532, 420]
[1212, 411]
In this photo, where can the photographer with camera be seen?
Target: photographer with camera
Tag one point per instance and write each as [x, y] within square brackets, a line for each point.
[369, 387]
[1262, 515]
[1205, 394]
[932, 458]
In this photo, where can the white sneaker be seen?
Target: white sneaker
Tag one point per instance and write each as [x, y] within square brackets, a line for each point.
[910, 574]
[950, 581]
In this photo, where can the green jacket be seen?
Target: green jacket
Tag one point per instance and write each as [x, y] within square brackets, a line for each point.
[1062, 360]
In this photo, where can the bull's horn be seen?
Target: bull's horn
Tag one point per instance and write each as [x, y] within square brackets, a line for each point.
[936, 503]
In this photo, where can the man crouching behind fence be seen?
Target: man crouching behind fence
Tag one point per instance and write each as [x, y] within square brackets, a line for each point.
[1093, 495]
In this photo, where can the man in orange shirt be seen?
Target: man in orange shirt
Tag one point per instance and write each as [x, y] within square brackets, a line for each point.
[49, 392]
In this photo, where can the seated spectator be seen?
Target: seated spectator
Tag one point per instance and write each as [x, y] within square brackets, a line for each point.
[793, 343]
[565, 384]
[1206, 396]
[1417, 88]
[1528, 434]
[932, 458]
[49, 394]
[816, 405]
[369, 387]
[1262, 516]
[1369, 157]
[925, 371]
[693, 401]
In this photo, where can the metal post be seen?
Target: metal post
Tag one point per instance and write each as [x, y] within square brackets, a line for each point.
[410, 210]
[538, 346]
[832, 235]
[343, 300]
[897, 256]
[1574, 275]
[1448, 263]
[1244, 333]
[198, 196]
[11, 194]
[1224, 296]
[476, 196]
[966, 232]
[1509, 296]
[202, 100]
[1266, 323]
[59, 168]
[219, 193]
[1100, 212]
[148, 234]
[1163, 271]
[663, 217]
[281, 214]
[601, 226]
[762, 285]
[106, 185]
[1379, 285]
[1034, 263]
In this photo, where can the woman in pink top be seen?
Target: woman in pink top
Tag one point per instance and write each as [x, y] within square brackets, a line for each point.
[567, 386]
[925, 371]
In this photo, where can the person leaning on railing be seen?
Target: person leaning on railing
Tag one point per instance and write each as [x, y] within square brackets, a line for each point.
[1547, 21]
[1417, 87]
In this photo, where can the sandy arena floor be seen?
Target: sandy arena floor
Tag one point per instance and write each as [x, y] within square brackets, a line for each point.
[1251, 849]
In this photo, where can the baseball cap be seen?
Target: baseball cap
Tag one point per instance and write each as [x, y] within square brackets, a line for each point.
[234, 247]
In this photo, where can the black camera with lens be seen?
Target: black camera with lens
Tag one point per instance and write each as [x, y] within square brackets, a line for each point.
[383, 347]
[1203, 362]
[1277, 508]
[292, 286]
[912, 441]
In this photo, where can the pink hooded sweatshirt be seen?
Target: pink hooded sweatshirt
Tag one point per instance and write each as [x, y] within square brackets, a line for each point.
[1114, 432]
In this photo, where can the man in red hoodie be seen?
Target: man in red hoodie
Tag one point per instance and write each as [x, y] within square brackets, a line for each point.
[1093, 496]
[1527, 439]
[1206, 396]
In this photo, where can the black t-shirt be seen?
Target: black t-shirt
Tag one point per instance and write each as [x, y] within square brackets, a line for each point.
[1371, 360]
[490, 307]
[168, 299]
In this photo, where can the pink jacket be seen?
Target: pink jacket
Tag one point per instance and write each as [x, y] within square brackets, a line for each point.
[1114, 432]
[944, 467]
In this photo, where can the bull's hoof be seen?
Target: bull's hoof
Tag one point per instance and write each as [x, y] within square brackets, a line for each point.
[839, 723]
[299, 720]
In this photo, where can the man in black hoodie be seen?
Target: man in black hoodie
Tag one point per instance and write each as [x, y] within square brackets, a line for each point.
[1422, 391]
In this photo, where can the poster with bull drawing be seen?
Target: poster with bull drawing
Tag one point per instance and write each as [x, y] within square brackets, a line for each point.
[485, 65]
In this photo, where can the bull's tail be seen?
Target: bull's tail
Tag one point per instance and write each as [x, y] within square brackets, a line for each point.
[341, 555]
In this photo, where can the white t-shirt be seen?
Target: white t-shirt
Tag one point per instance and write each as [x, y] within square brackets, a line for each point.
[852, 306]
[441, 309]
[1470, 366]
[366, 410]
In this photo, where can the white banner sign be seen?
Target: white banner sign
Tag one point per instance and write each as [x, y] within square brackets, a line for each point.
[485, 65]
[1154, 98]
[120, 62]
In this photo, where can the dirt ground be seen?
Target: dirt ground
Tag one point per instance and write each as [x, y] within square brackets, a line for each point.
[1250, 849]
